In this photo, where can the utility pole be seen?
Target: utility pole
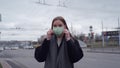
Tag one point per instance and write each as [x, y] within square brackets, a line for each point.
[103, 41]
[0, 17]
[0, 21]
[0, 36]
[119, 31]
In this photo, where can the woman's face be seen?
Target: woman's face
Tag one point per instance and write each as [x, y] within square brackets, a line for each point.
[58, 23]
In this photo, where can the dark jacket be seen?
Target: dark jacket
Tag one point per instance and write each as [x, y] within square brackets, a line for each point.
[73, 51]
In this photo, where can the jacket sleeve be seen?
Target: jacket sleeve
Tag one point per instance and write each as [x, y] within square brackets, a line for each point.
[74, 50]
[41, 51]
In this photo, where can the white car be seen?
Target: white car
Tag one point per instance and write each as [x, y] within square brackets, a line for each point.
[82, 44]
[7, 48]
[28, 47]
[14, 48]
[1, 48]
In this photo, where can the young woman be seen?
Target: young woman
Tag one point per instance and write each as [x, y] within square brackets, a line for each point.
[59, 49]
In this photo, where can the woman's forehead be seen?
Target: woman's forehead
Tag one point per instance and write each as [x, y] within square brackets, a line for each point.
[58, 22]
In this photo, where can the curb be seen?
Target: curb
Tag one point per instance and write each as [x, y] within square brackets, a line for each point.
[104, 52]
[5, 64]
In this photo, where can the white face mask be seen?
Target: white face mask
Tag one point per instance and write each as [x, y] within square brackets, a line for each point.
[58, 30]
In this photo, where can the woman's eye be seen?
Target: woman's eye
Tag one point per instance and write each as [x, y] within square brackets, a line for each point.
[54, 26]
[60, 25]
[57, 25]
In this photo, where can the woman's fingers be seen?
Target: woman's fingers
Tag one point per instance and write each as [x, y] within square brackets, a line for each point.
[49, 34]
[67, 34]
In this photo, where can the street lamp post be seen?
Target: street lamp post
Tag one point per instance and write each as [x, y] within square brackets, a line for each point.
[103, 41]
[0, 17]
[119, 31]
[0, 21]
[0, 35]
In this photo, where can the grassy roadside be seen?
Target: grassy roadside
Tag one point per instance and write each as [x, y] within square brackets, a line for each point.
[0, 65]
[106, 44]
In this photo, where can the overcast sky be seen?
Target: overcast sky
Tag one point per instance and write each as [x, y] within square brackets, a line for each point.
[35, 19]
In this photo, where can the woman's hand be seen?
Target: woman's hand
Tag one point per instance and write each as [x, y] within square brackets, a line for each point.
[49, 34]
[67, 34]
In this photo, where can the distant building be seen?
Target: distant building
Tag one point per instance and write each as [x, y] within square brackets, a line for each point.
[113, 35]
[15, 43]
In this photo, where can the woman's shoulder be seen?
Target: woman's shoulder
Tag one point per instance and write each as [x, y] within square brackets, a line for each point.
[74, 39]
[42, 38]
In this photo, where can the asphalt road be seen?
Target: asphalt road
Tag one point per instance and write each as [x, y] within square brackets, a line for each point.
[25, 59]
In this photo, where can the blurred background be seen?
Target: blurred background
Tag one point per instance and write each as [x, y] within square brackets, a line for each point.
[24, 23]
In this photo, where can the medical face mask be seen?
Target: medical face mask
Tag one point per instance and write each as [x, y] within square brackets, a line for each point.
[58, 30]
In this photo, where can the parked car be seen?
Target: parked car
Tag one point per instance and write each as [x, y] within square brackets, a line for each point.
[1, 48]
[7, 48]
[82, 44]
[14, 48]
[28, 47]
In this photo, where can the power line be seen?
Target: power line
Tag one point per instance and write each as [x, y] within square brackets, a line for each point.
[61, 3]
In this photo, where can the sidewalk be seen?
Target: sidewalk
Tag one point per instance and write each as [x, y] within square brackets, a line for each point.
[105, 50]
[4, 64]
